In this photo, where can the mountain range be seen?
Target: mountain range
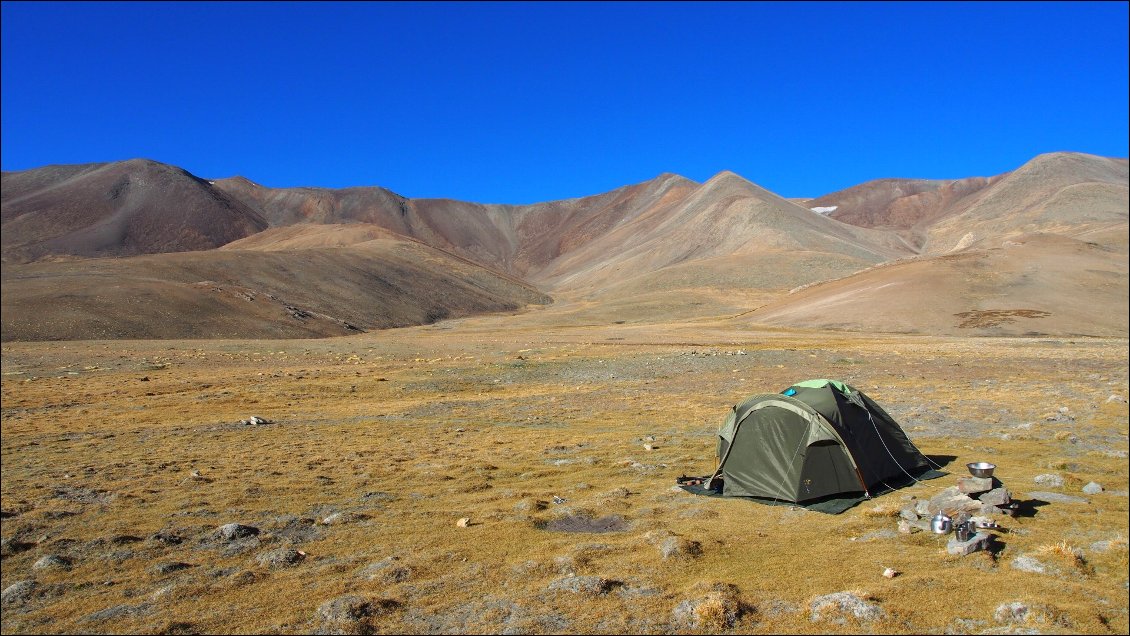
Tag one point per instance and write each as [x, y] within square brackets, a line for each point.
[140, 249]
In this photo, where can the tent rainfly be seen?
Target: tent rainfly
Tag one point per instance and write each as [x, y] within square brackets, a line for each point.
[818, 439]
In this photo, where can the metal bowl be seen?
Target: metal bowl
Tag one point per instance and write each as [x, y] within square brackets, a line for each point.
[981, 469]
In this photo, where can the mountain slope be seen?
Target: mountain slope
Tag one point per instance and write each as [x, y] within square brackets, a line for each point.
[251, 293]
[116, 209]
[1071, 194]
[1036, 284]
[725, 217]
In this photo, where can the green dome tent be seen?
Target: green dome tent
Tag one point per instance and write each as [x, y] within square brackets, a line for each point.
[819, 440]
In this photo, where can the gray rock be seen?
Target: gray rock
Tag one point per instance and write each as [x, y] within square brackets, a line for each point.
[378, 569]
[717, 608]
[778, 607]
[584, 585]
[18, 593]
[351, 613]
[339, 518]
[169, 568]
[235, 531]
[1049, 480]
[116, 612]
[974, 485]
[1014, 612]
[52, 562]
[1026, 563]
[1092, 488]
[280, 558]
[977, 542]
[1055, 497]
[678, 547]
[996, 497]
[834, 607]
[909, 513]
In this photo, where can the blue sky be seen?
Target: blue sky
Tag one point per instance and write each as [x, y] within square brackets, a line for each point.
[516, 103]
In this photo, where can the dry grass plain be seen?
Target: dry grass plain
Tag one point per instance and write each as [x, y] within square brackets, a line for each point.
[124, 457]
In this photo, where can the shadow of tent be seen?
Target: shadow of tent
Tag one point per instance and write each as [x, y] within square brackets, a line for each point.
[941, 461]
[1029, 507]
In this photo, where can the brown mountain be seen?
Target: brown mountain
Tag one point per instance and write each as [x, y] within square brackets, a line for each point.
[906, 206]
[269, 289]
[1071, 194]
[664, 249]
[116, 209]
[1035, 284]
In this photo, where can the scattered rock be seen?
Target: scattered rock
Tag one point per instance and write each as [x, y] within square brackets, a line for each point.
[255, 420]
[339, 518]
[10, 546]
[1049, 480]
[584, 585]
[463, 522]
[777, 607]
[678, 547]
[1092, 488]
[280, 558]
[584, 522]
[1055, 497]
[834, 607]
[1026, 563]
[891, 573]
[352, 614]
[974, 485]
[18, 593]
[716, 607]
[235, 531]
[116, 612]
[169, 568]
[1014, 612]
[52, 562]
[977, 542]
[530, 505]
[376, 570]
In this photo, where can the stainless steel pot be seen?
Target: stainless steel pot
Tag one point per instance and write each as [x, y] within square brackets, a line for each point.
[941, 524]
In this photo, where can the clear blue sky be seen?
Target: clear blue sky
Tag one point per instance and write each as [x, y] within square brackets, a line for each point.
[516, 103]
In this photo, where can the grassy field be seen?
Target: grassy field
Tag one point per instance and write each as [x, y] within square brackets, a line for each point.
[123, 458]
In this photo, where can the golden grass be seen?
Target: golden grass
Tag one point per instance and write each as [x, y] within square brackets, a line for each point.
[490, 420]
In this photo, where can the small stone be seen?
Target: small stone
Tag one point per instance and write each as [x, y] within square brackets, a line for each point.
[890, 573]
[235, 531]
[1055, 497]
[583, 585]
[464, 522]
[52, 562]
[678, 547]
[1049, 480]
[832, 607]
[348, 610]
[909, 513]
[1014, 612]
[338, 518]
[280, 558]
[1026, 563]
[649, 447]
[1092, 488]
[169, 568]
[1115, 398]
[18, 593]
